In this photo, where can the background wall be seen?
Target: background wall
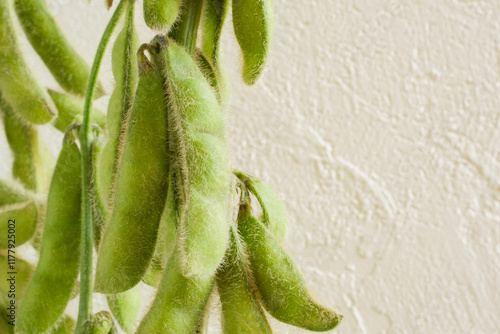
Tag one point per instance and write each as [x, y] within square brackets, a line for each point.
[378, 122]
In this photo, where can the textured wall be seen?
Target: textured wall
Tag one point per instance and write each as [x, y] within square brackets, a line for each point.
[378, 122]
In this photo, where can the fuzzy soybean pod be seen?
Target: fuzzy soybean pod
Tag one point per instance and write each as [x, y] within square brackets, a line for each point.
[212, 74]
[125, 72]
[198, 161]
[50, 288]
[13, 192]
[241, 312]
[179, 302]
[253, 27]
[161, 14]
[212, 21]
[18, 85]
[28, 166]
[165, 243]
[23, 269]
[21, 218]
[68, 68]
[273, 207]
[70, 110]
[125, 307]
[129, 239]
[280, 285]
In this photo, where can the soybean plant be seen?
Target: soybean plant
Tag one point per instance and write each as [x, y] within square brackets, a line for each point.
[147, 188]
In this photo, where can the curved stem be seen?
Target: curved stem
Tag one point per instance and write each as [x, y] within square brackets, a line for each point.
[86, 138]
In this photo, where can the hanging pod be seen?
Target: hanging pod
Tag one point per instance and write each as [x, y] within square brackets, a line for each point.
[253, 26]
[69, 110]
[125, 72]
[273, 207]
[15, 289]
[280, 285]
[214, 77]
[125, 307]
[165, 243]
[66, 65]
[129, 238]
[55, 275]
[18, 85]
[179, 302]
[198, 160]
[212, 21]
[13, 192]
[241, 312]
[29, 166]
[21, 219]
[161, 14]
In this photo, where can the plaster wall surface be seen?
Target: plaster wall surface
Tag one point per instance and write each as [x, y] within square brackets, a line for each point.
[379, 124]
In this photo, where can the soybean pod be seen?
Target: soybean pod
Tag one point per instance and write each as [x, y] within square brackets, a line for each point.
[273, 207]
[68, 68]
[13, 192]
[241, 312]
[280, 285]
[125, 307]
[21, 218]
[23, 269]
[212, 21]
[179, 302]
[198, 160]
[28, 166]
[129, 239]
[165, 243]
[161, 14]
[125, 72]
[18, 85]
[57, 270]
[70, 109]
[212, 74]
[253, 27]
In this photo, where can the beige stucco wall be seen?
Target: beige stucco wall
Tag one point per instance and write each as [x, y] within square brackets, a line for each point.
[378, 122]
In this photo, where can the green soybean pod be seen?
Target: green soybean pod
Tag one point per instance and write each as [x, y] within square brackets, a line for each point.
[125, 307]
[253, 27]
[15, 288]
[241, 313]
[161, 14]
[179, 302]
[6, 319]
[18, 85]
[23, 218]
[129, 239]
[213, 76]
[13, 192]
[273, 207]
[198, 161]
[99, 212]
[70, 110]
[280, 285]
[28, 166]
[125, 72]
[212, 21]
[57, 270]
[165, 242]
[68, 68]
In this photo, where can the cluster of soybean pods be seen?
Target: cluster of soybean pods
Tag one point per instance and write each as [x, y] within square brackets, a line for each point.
[167, 210]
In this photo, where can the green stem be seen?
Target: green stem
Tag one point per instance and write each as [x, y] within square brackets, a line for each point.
[186, 31]
[86, 138]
